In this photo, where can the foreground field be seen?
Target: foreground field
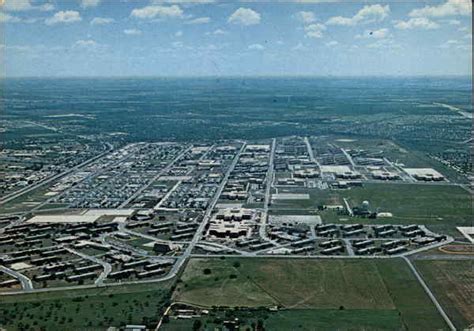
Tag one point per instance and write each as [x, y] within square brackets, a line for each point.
[91, 309]
[453, 284]
[369, 285]
[300, 319]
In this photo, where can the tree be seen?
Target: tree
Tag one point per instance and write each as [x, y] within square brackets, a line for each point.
[197, 325]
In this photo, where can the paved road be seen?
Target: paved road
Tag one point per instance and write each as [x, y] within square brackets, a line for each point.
[430, 294]
[26, 283]
[90, 176]
[348, 207]
[17, 194]
[107, 267]
[269, 181]
[164, 170]
[349, 158]
[207, 216]
[310, 152]
[443, 257]
[350, 251]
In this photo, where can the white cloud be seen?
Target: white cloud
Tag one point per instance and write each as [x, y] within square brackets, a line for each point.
[417, 23]
[178, 34]
[67, 16]
[102, 20]
[454, 22]
[449, 8]
[85, 43]
[199, 20]
[183, 1]
[177, 44]
[132, 32]
[219, 32]
[6, 18]
[88, 45]
[332, 43]
[455, 44]
[17, 5]
[47, 7]
[244, 16]
[299, 47]
[89, 3]
[310, 1]
[386, 44]
[368, 14]
[464, 47]
[150, 12]
[306, 17]
[295, 1]
[256, 47]
[315, 30]
[17, 48]
[376, 34]
[23, 5]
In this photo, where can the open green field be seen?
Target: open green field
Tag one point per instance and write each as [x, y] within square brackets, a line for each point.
[87, 309]
[295, 284]
[296, 319]
[442, 207]
[452, 282]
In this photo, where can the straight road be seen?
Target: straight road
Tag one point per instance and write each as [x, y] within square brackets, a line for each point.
[430, 294]
[206, 218]
[25, 190]
[310, 152]
[269, 182]
[90, 176]
[164, 170]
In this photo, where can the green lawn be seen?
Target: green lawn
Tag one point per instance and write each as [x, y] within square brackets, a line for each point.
[452, 282]
[369, 285]
[90, 309]
[442, 207]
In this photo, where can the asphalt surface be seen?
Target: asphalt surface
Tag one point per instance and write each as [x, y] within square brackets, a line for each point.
[26, 283]
[430, 294]
[19, 193]
[268, 187]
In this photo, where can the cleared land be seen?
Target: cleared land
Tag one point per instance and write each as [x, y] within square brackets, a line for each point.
[453, 284]
[90, 309]
[442, 207]
[367, 285]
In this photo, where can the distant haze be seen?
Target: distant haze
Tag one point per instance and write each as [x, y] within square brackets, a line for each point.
[46, 38]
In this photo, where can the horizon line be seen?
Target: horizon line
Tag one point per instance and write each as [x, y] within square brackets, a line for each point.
[236, 76]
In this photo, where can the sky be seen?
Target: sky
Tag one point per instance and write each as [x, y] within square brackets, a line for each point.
[73, 38]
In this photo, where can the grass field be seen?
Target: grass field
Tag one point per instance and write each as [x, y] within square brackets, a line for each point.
[369, 285]
[89, 309]
[300, 319]
[453, 284]
[442, 207]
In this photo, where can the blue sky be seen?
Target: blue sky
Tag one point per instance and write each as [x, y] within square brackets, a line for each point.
[233, 38]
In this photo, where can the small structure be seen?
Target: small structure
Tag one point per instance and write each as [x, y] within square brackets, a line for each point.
[424, 174]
